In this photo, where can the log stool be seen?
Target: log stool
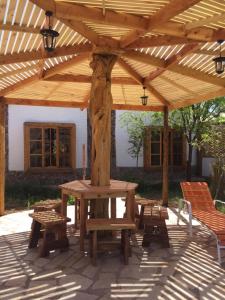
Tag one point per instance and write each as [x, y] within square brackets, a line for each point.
[154, 221]
[123, 225]
[54, 231]
[46, 205]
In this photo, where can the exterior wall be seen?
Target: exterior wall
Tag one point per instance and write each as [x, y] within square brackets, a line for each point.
[207, 166]
[123, 159]
[18, 114]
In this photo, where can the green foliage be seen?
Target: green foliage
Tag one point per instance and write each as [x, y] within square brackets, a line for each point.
[194, 121]
[213, 144]
[24, 194]
[135, 123]
[71, 200]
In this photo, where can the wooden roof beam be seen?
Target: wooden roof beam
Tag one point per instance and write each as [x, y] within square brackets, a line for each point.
[65, 65]
[141, 81]
[159, 63]
[20, 28]
[172, 60]
[18, 71]
[170, 10]
[205, 21]
[74, 104]
[201, 34]
[48, 73]
[38, 102]
[19, 85]
[87, 79]
[200, 98]
[156, 41]
[38, 54]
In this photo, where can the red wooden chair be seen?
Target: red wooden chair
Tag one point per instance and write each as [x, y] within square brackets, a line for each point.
[201, 206]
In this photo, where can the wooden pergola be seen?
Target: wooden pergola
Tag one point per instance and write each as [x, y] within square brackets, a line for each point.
[106, 52]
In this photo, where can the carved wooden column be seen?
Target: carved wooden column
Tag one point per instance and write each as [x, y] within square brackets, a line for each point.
[2, 158]
[100, 117]
[165, 158]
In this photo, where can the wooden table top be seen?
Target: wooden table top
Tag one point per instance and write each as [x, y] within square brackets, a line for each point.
[85, 187]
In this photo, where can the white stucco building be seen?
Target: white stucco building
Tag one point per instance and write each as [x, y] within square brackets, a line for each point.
[56, 117]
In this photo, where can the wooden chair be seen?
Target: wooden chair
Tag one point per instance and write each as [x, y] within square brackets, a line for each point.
[54, 231]
[123, 225]
[201, 206]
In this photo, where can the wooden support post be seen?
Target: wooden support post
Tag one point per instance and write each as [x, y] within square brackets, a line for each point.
[165, 158]
[2, 158]
[100, 118]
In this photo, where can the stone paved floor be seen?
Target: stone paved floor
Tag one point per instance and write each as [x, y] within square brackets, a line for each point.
[188, 270]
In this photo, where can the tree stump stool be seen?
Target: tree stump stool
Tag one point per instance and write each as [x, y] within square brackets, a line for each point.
[123, 225]
[54, 231]
[155, 230]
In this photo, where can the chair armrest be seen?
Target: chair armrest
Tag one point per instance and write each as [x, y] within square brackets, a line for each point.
[185, 201]
[215, 200]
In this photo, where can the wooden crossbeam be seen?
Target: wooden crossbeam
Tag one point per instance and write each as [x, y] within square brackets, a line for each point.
[87, 79]
[66, 65]
[141, 81]
[18, 71]
[38, 102]
[37, 54]
[173, 60]
[200, 98]
[46, 74]
[209, 52]
[75, 23]
[74, 104]
[170, 10]
[19, 85]
[156, 41]
[20, 28]
[202, 34]
[145, 58]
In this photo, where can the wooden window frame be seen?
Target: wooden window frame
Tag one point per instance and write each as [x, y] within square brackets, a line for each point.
[28, 125]
[147, 149]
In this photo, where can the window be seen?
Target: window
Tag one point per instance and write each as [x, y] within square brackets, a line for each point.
[153, 148]
[49, 146]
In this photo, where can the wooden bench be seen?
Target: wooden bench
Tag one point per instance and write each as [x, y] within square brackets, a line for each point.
[54, 231]
[123, 225]
[143, 202]
[200, 205]
[155, 230]
[46, 205]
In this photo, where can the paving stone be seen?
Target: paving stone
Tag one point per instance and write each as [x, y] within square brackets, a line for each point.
[17, 281]
[90, 271]
[82, 283]
[104, 281]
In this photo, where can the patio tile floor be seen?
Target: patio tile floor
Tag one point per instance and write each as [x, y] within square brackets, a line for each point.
[187, 270]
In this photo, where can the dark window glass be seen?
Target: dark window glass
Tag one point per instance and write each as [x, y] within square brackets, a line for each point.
[35, 134]
[36, 161]
[50, 147]
[155, 148]
[64, 147]
[155, 160]
[155, 135]
[35, 148]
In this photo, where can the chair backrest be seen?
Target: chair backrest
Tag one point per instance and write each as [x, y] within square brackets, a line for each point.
[198, 194]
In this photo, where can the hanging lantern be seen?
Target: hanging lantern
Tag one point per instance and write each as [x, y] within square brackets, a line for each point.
[219, 61]
[144, 98]
[49, 35]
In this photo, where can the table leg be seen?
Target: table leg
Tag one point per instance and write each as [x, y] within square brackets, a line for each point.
[82, 223]
[64, 204]
[113, 207]
[130, 205]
